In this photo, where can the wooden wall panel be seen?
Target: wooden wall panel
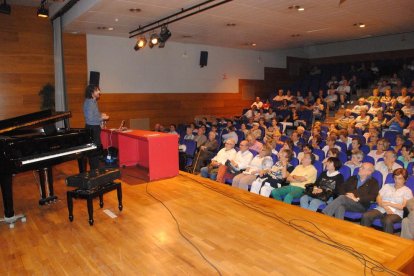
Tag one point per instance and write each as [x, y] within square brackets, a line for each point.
[26, 55]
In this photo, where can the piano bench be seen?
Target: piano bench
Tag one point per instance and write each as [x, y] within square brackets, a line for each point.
[90, 194]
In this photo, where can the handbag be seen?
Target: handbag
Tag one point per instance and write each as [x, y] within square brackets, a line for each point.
[324, 195]
[231, 169]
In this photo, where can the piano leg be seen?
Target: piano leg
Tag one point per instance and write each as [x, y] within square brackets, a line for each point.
[46, 186]
[7, 192]
[82, 164]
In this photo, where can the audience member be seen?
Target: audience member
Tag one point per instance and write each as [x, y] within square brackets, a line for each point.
[303, 174]
[388, 165]
[236, 165]
[326, 187]
[258, 103]
[260, 162]
[275, 177]
[226, 153]
[391, 200]
[355, 194]
[356, 161]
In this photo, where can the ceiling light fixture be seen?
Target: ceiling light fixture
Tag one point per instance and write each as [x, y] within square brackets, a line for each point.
[165, 34]
[42, 11]
[5, 8]
[154, 39]
[141, 42]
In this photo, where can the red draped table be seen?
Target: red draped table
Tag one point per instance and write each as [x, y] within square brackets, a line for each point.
[154, 151]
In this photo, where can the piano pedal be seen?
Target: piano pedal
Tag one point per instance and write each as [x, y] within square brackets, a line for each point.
[11, 220]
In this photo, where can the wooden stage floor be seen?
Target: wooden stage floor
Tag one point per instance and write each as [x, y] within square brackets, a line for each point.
[237, 232]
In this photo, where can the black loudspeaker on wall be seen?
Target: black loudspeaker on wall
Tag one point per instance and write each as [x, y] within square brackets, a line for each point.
[94, 77]
[203, 58]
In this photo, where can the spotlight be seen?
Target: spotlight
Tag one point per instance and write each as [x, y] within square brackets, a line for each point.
[43, 11]
[153, 40]
[141, 42]
[5, 8]
[165, 34]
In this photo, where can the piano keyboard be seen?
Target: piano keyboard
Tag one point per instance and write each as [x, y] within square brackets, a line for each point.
[87, 147]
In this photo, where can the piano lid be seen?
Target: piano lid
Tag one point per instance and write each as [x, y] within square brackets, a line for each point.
[32, 119]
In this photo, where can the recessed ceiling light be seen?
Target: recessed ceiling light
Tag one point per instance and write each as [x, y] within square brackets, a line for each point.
[116, 19]
[361, 25]
[135, 10]
[253, 44]
[296, 7]
[105, 28]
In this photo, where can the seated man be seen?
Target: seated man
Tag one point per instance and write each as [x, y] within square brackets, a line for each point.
[255, 131]
[206, 152]
[356, 193]
[361, 105]
[253, 144]
[279, 97]
[258, 103]
[226, 153]
[331, 99]
[303, 174]
[231, 135]
[388, 165]
[235, 165]
[200, 138]
[344, 121]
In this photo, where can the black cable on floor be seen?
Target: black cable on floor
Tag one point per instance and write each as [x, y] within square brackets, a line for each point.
[365, 260]
[179, 231]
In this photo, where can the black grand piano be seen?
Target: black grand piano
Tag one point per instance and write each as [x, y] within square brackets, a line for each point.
[32, 142]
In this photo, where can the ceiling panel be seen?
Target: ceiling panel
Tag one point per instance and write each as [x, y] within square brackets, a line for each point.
[269, 23]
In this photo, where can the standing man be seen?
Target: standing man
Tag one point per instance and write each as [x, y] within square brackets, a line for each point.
[93, 119]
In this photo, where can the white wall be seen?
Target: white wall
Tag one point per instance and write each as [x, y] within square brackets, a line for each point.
[174, 68]
[361, 46]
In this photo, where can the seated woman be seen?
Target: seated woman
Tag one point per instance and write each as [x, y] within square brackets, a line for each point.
[356, 161]
[303, 174]
[260, 162]
[376, 106]
[355, 146]
[382, 147]
[306, 149]
[407, 155]
[387, 97]
[391, 200]
[399, 142]
[275, 177]
[379, 121]
[398, 122]
[334, 152]
[318, 109]
[362, 121]
[330, 144]
[325, 189]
